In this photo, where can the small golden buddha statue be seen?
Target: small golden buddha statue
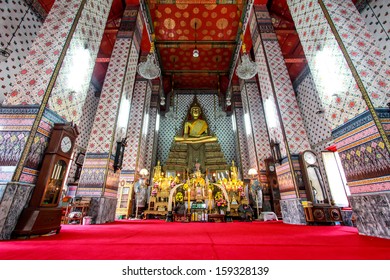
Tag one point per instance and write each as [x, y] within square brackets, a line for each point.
[157, 172]
[195, 130]
[233, 171]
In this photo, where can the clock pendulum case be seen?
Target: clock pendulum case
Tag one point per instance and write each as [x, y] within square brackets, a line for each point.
[43, 214]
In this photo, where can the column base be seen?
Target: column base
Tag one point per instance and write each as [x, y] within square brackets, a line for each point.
[373, 212]
[15, 196]
[102, 210]
[292, 211]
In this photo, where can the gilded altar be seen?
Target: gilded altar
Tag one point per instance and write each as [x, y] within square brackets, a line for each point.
[196, 197]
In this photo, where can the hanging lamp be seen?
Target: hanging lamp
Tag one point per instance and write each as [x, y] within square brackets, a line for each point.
[149, 68]
[195, 52]
[246, 69]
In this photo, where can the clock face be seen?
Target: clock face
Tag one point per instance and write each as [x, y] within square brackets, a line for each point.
[310, 158]
[66, 144]
[271, 168]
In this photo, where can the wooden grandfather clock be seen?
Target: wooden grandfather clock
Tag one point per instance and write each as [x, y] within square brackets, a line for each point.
[43, 214]
[319, 209]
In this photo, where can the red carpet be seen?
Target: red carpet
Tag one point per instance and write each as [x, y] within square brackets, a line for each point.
[159, 240]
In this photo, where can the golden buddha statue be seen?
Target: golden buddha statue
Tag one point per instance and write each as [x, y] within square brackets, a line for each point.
[195, 130]
[157, 172]
[233, 171]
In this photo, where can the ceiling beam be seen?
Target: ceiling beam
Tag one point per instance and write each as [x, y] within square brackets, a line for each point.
[111, 30]
[102, 60]
[295, 59]
[286, 31]
[205, 42]
[188, 71]
[280, 16]
[199, 2]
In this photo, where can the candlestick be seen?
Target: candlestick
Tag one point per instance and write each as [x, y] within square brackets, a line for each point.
[210, 192]
[189, 198]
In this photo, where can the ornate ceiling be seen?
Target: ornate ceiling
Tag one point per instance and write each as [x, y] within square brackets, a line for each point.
[214, 29]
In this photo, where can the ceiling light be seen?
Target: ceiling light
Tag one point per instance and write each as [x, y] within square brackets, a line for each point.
[195, 53]
[228, 101]
[4, 54]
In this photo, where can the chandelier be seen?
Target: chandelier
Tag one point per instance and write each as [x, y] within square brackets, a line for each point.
[149, 68]
[247, 69]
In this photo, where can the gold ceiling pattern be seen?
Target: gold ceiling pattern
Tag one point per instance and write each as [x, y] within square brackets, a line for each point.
[212, 27]
[196, 22]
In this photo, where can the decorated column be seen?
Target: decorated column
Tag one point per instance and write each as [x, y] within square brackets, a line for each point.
[152, 133]
[99, 179]
[247, 126]
[85, 127]
[257, 125]
[283, 117]
[53, 83]
[242, 153]
[352, 78]
[134, 156]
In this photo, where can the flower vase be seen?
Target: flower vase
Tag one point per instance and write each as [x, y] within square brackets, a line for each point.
[221, 211]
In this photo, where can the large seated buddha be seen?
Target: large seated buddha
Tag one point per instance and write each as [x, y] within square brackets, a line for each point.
[195, 129]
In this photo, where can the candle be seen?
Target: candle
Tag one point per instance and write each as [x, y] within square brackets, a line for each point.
[189, 198]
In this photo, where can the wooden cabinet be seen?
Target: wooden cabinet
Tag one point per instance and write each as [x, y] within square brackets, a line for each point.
[123, 209]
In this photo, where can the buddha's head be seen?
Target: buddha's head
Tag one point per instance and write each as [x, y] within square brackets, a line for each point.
[195, 111]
